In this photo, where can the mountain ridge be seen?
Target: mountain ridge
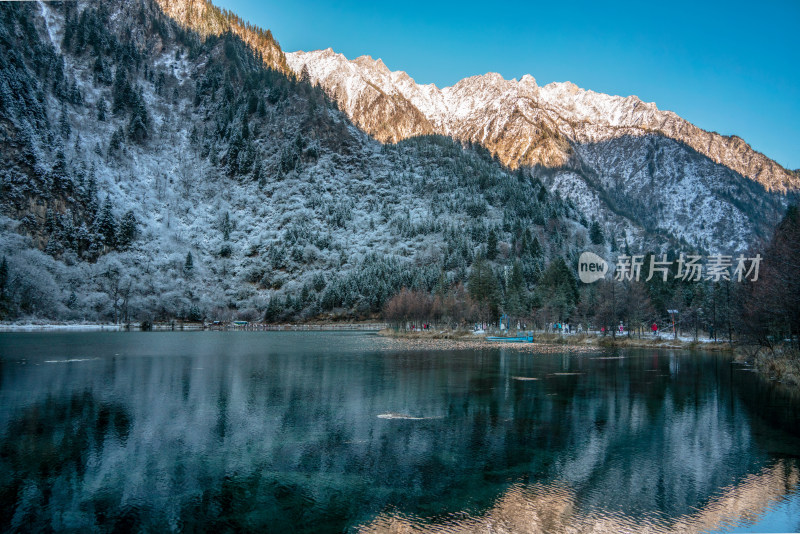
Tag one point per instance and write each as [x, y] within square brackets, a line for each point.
[155, 171]
[203, 17]
[578, 114]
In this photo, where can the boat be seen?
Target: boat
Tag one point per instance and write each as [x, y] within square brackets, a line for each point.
[519, 339]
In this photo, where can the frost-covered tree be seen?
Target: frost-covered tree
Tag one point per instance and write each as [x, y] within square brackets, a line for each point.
[106, 226]
[225, 226]
[102, 109]
[128, 229]
[188, 265]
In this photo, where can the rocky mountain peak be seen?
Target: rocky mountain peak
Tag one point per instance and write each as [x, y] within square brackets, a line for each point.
[510, 116]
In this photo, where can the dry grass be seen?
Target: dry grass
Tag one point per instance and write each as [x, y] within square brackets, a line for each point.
[465, 339]
[427, 334]
[573, 341]
[662, 343]
[781, 364]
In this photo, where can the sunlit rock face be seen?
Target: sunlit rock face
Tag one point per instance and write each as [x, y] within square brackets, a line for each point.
[617, 159]
[521, 122]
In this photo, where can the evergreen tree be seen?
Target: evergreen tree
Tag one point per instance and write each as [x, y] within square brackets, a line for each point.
[90, 198]
[188, 266]
[558, 289]
[226, 226]
[258, 173]
[84, 238]
[772, 303]
[535, 248]
[106, 226]
[516, 291]
[120, 91]
[101, 109]
[596, 233]
[140, 119]
[50, 222]
[274, 309]
[491, 245]
[66, 230]
[483, 288]
[3, 278]
[194, 313]
[5, 300]
[60, 173]
[115, 143]
[64, 126]
[128, 229]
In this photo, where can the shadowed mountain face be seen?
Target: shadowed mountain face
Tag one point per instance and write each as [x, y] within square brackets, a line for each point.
[667, 187]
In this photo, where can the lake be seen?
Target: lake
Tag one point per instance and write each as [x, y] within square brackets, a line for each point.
[344, 432]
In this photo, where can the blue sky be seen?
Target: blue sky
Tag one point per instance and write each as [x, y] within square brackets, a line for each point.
[730, 67]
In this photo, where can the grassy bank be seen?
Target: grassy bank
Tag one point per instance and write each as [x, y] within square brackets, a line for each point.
[778, 364]
[572, 340]
[662, 343]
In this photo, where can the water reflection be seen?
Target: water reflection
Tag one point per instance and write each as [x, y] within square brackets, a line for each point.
[321, 432]
[554, 507]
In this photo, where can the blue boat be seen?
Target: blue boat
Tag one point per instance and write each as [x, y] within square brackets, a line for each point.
[522, 339]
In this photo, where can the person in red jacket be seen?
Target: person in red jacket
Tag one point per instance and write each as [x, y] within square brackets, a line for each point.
[654, 328]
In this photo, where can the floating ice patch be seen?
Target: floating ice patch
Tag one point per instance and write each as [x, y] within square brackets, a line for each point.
[524, 378]
[394, 415]
[72, 360]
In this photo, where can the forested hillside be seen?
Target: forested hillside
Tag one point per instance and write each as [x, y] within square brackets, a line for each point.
[160, 168]
[153, 173]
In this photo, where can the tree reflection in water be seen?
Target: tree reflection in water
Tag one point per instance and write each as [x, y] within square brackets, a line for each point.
[281, 432]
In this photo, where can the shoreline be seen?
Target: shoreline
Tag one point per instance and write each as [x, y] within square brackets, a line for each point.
[442, 337]
[779, 366]
[184, 326]
[582, 341]
[66, 327]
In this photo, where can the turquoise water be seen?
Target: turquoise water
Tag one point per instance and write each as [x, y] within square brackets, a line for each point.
[341, 432]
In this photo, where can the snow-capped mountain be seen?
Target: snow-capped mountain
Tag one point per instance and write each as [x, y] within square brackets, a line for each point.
[521, 122]
[161, 160]
[620, 160]
[159, 167]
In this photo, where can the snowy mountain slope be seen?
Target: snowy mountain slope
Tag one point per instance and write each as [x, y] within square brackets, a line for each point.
[516, 119]
[204, 18]
[159, 167]
[153, 173]
[615, 157]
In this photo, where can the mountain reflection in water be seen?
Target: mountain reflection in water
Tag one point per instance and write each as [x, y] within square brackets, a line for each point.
[329, 432]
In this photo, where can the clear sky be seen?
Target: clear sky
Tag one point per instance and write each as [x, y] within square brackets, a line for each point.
[731, 67]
